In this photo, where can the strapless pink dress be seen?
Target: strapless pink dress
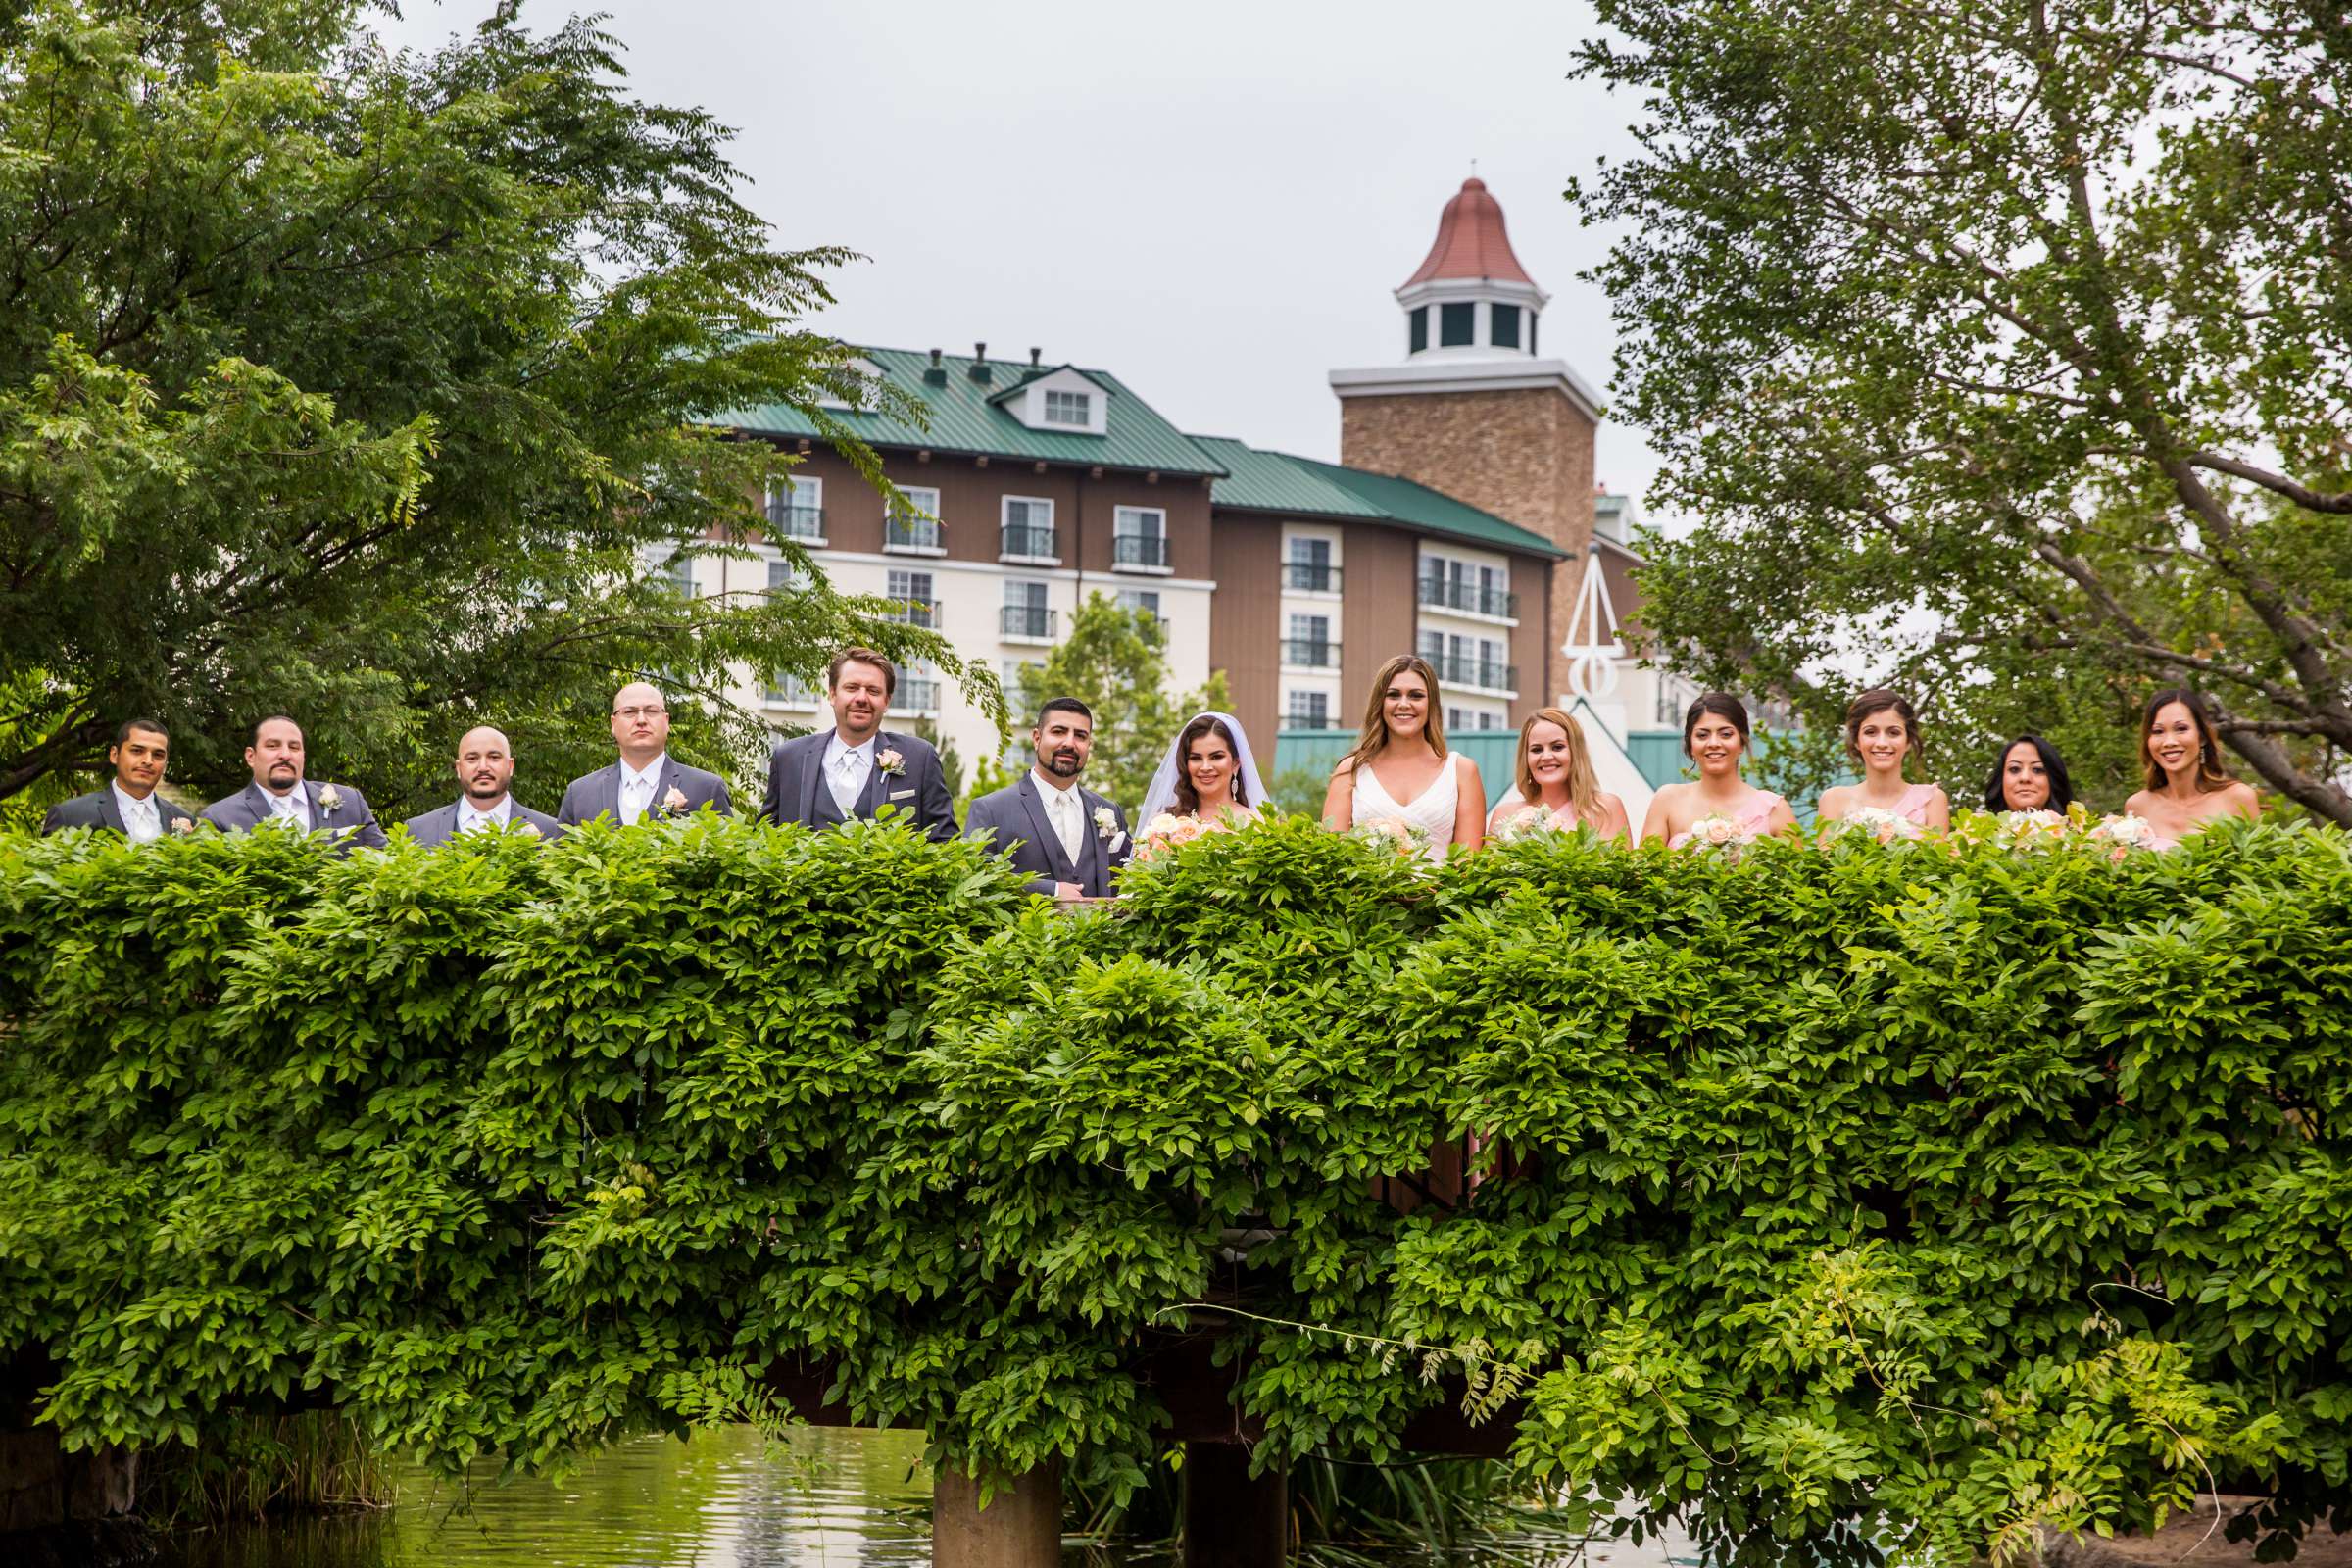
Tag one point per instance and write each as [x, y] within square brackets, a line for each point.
[1749, 820]
[1913, 807]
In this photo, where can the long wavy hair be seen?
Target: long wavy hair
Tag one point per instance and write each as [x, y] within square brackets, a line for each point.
[1583, 785]
[1188, 799]
[1375, 737]
[2062, 788]
[2211, 775]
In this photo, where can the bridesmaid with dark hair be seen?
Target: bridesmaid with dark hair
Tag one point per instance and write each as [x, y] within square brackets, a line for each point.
[2188, 789]
[1721, 806]
[1882, 733]
[2029, 776]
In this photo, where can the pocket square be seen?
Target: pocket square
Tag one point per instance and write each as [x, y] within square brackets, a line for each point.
[901, 795]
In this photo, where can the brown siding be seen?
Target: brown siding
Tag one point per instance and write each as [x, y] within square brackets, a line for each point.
[1379, 613]
[1524, 455]
[1244, 558]
[1184, 499]
[1531, 640]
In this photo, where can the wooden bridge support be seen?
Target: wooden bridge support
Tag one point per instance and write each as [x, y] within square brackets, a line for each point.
[1233, 1519]
[1020, 1527]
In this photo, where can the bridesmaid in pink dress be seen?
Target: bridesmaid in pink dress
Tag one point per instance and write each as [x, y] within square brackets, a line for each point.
[1882, 733]
[1555, 776]
[1715, 736]
[2187, 790]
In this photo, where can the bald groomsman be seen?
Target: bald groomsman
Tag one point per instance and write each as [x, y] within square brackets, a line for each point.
[132, 804]
[647, 781]
[279, 793]
[485, 799]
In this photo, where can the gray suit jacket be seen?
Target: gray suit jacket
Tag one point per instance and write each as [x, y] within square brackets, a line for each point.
[351, 822]
[598, 794]
[437, 828]
[1016, 818]
[919, 790]
[100, 809]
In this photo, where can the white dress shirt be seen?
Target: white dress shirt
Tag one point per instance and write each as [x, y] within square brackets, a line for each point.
[1066, 808]
[470, 820]
[142, 821]
[846, 768]
[637, 788]
[294, 806]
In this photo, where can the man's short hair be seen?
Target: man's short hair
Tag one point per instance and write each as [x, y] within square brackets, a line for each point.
[863, 656]
[154, 726]
[255, 739]
[1065, 705]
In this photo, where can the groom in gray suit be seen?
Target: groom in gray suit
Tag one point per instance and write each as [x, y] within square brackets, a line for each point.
[485, 772]
[647, 782]
[279, 792]
[1071, 841]
[856, 767]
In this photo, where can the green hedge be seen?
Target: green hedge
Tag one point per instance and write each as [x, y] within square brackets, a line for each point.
[1935, 1189]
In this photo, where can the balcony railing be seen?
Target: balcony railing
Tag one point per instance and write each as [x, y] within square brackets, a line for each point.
[1028, 543]
[918, 697]
[1306, 718]
[791, 522]
[1309, 577]
[1439, 592]
[918, 535]
[1308, 653]
[1138, 550]
[1478, 674]
[916, 612]
[1030, 622]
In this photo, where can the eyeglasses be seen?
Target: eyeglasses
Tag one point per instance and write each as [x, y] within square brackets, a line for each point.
[639, 712]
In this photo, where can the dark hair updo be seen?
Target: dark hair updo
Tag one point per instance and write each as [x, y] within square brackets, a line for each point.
[1879, 699]
[1722, 705]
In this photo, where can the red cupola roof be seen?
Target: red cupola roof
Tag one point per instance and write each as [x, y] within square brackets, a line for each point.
[1471, 241]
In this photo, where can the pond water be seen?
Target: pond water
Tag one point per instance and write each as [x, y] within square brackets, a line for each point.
[726, 1498]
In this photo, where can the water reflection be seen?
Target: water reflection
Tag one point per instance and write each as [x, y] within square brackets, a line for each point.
[834, 1498]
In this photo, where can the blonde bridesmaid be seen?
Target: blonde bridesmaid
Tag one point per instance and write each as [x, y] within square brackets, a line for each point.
[1555, 776]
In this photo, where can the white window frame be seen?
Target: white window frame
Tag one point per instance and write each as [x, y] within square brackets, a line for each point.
[1154, 525]
[1081, 404]
[805, 490]
[913, 492]
[1052, 525]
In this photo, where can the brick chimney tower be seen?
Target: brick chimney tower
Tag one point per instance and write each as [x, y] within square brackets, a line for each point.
[1473, 411]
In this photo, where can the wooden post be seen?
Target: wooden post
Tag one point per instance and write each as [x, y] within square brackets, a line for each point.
[1020, 1527]
[1233, 1519]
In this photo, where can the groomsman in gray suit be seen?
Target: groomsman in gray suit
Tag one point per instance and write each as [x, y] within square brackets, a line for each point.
[856, 767]
[278, 792]
[1071, 841]
[486, 770]
[130, 805]
[647, 781]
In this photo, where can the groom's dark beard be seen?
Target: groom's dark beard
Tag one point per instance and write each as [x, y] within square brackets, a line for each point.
[1064, 765]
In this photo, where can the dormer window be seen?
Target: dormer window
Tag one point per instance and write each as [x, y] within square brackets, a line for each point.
[1064, 400]
[1074, 408]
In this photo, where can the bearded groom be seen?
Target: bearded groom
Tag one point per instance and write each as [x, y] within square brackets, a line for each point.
[1071, 841]
[856, 767]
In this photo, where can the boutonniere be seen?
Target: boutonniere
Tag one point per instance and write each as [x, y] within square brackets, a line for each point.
[183, 824]
[891, 763]
[1107, 828]
[674, 802]
[527, 830]
[329, 798]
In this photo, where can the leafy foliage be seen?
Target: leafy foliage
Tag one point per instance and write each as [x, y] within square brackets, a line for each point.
[2005, 352]
[1849, 1194]
[363, 387]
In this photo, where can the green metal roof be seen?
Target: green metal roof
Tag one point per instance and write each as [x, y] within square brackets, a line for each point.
[962, 418]
[1276, 481]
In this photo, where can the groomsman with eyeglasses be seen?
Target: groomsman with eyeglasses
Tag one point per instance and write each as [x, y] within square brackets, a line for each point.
[280, 794]
[132, 802]
[647, 783]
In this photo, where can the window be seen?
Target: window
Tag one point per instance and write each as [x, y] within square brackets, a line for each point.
[1025, 611]
[1308, 568]
[1458, 325]
[917, 605]
[677, 573]
[1028, 527]
[1139, 538]
[1069, 407]
[1308, 711]
[790, 692]
[795, 510]
[1420, 328]
[918, 691]
[1531, 320]
[912, 525]
[783, 577]
[1505, 333]
[1145, 599]
[1309, 643]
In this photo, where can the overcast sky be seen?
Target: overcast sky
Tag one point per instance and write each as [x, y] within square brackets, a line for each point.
[1212, 200]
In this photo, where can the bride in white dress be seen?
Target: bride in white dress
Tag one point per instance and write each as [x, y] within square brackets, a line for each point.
[1400, 771]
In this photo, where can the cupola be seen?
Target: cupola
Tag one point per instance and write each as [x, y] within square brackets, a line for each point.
[1470, 298]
